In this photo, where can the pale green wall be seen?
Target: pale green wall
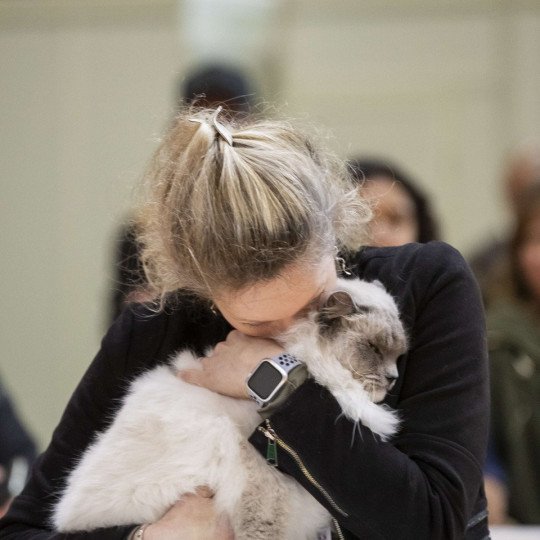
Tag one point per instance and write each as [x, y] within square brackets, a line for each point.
[445, 88]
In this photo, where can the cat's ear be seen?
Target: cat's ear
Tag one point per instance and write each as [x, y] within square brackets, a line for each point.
[339, 304]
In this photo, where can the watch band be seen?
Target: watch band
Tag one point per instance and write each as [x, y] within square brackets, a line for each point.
[287, 361]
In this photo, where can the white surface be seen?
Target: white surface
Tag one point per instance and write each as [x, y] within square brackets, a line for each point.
[507, 532]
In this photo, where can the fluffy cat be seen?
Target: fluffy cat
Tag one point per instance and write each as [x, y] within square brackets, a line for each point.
[170, 437]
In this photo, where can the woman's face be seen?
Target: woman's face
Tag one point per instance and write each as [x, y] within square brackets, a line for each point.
[529, 257]
[269, 308]
[394, 222]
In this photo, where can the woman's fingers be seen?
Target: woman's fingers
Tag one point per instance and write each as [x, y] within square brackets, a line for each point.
[193, 517]
[226, 369]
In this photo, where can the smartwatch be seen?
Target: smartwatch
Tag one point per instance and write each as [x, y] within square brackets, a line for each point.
[269, 377]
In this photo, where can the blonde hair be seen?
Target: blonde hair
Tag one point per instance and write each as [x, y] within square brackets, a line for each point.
[220, 216]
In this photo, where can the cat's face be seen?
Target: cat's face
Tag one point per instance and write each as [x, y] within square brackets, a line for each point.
[368, 339]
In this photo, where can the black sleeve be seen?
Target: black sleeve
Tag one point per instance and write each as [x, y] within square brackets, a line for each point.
[424, 483]
[92, 404]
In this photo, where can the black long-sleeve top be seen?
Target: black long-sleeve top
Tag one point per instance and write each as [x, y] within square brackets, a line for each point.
[425, 484]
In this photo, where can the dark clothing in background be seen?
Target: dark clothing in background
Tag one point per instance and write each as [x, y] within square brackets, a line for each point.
[514, 352]
[490, 265]
[425, 484]
[16, 445]
[128, 270]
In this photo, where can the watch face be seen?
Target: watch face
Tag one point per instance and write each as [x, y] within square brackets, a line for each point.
[265, 379]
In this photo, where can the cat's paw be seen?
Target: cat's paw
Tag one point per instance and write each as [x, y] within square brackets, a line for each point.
[382, 420]
[379, 418]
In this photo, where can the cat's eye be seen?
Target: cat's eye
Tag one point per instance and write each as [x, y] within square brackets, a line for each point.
[375, 349]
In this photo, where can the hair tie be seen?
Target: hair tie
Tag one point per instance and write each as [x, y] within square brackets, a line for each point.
[221, 130]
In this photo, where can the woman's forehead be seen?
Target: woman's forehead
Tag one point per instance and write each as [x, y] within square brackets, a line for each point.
[281, 297]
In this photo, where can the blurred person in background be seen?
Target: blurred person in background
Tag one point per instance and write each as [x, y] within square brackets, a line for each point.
[209, 86]
[212, 85]
[512, 473]
[489, 262]
[402, 212]
[17, 451]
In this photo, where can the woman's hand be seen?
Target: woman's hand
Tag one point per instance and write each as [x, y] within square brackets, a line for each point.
[193, 517]
[226, 369]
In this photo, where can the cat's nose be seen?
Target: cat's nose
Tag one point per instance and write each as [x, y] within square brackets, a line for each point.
[391, 380]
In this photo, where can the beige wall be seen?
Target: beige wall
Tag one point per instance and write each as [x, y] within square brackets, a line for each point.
[444, 88]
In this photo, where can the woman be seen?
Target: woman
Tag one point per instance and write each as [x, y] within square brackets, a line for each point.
[402, 212]
[239, 235]
[514, 343]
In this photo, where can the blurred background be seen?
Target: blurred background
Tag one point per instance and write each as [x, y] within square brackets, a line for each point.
[446, 89]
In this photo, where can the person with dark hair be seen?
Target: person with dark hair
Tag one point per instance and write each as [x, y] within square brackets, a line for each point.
[212, 85]
[513, 470]
[402, 211]
[490, 261]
